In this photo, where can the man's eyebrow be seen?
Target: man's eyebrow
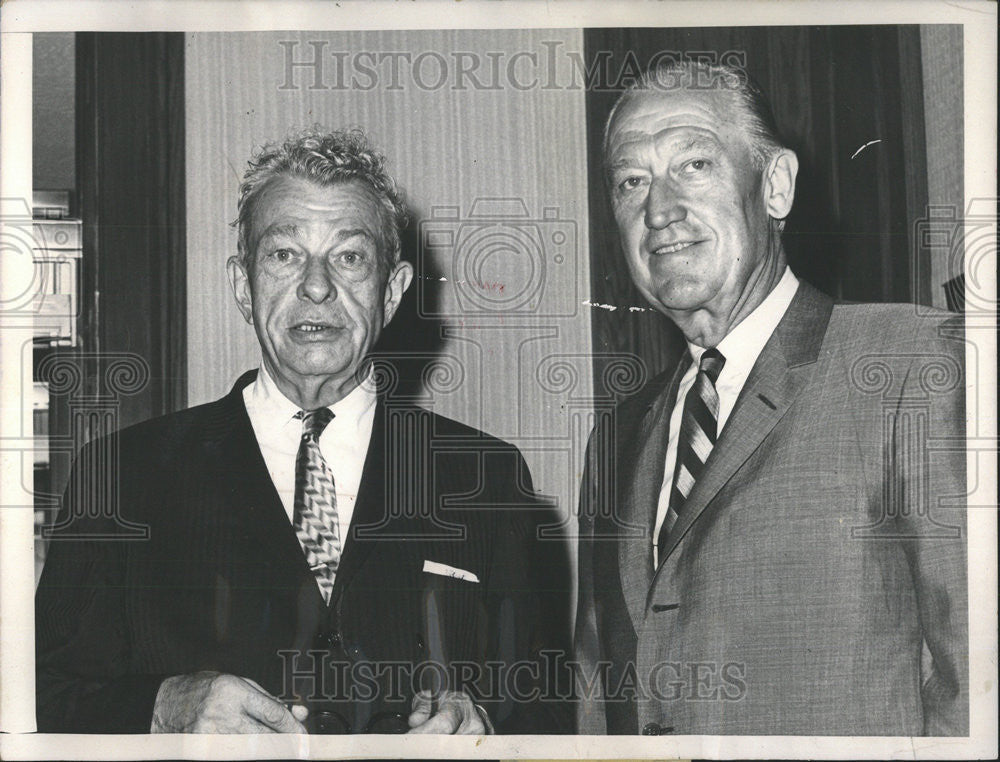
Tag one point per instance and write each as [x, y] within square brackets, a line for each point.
[622, 162]
[291, 230]
[624, 158]
[696, 141]
[343, 235]
[284, 230]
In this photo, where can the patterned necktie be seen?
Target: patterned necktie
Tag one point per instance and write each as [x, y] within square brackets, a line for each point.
[696, 440]
[316, 502]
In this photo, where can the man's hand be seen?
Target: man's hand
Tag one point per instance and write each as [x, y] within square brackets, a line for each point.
[455, 714]
[212, 702]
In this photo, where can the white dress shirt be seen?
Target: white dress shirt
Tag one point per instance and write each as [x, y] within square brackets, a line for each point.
[741, 347]
[344, 442]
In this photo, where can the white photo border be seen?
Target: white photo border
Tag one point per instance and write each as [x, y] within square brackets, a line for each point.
[22, 17]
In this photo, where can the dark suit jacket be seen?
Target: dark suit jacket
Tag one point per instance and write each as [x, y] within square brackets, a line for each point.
[221, 583]
[815, 582]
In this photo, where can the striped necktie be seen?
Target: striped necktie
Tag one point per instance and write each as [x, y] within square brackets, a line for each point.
[316, 502]
[697, 438]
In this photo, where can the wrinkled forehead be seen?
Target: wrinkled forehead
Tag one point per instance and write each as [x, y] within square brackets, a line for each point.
[656, 115]
[290, 196]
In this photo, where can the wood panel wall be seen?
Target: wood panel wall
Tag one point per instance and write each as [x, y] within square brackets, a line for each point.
[944, 111]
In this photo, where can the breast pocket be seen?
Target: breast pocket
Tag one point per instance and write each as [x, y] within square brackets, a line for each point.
[452, 615]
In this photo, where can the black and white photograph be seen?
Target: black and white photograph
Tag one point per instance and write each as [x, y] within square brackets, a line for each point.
[496, 379]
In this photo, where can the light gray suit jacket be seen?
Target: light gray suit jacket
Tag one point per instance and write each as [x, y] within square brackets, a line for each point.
[815, 582]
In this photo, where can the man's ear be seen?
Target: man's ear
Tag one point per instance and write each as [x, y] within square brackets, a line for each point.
[395, 287]
[779, 183]
[239, 280]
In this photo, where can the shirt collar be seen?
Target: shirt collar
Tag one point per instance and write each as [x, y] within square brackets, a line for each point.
[743, 344]
[275, 410]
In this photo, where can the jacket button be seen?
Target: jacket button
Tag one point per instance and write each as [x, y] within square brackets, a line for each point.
[420, 643]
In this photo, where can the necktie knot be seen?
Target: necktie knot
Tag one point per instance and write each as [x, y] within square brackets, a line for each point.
[314, 422]
[711, 364]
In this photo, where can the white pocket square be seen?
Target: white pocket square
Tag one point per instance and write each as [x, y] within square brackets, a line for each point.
[433, 567]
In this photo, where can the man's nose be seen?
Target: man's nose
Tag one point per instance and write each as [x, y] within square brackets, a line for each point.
[316, 284]
[663, 205]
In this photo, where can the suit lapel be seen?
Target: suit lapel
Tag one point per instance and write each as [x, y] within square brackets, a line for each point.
[380, 523]
[783, 368]
[369, 509]
[232, 447]
[251, 496]
[642, 493]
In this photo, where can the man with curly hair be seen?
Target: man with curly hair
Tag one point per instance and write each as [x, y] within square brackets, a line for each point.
[321, 557]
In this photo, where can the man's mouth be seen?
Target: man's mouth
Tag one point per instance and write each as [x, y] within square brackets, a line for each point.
[673, 248]
[309, 327]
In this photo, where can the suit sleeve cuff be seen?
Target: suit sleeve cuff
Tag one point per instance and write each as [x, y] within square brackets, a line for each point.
[124, 705]
[135, 709]
[485, 717]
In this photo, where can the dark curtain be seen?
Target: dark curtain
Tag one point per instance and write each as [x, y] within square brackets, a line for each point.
[833, 90]
[130, 175]
[130, 190]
